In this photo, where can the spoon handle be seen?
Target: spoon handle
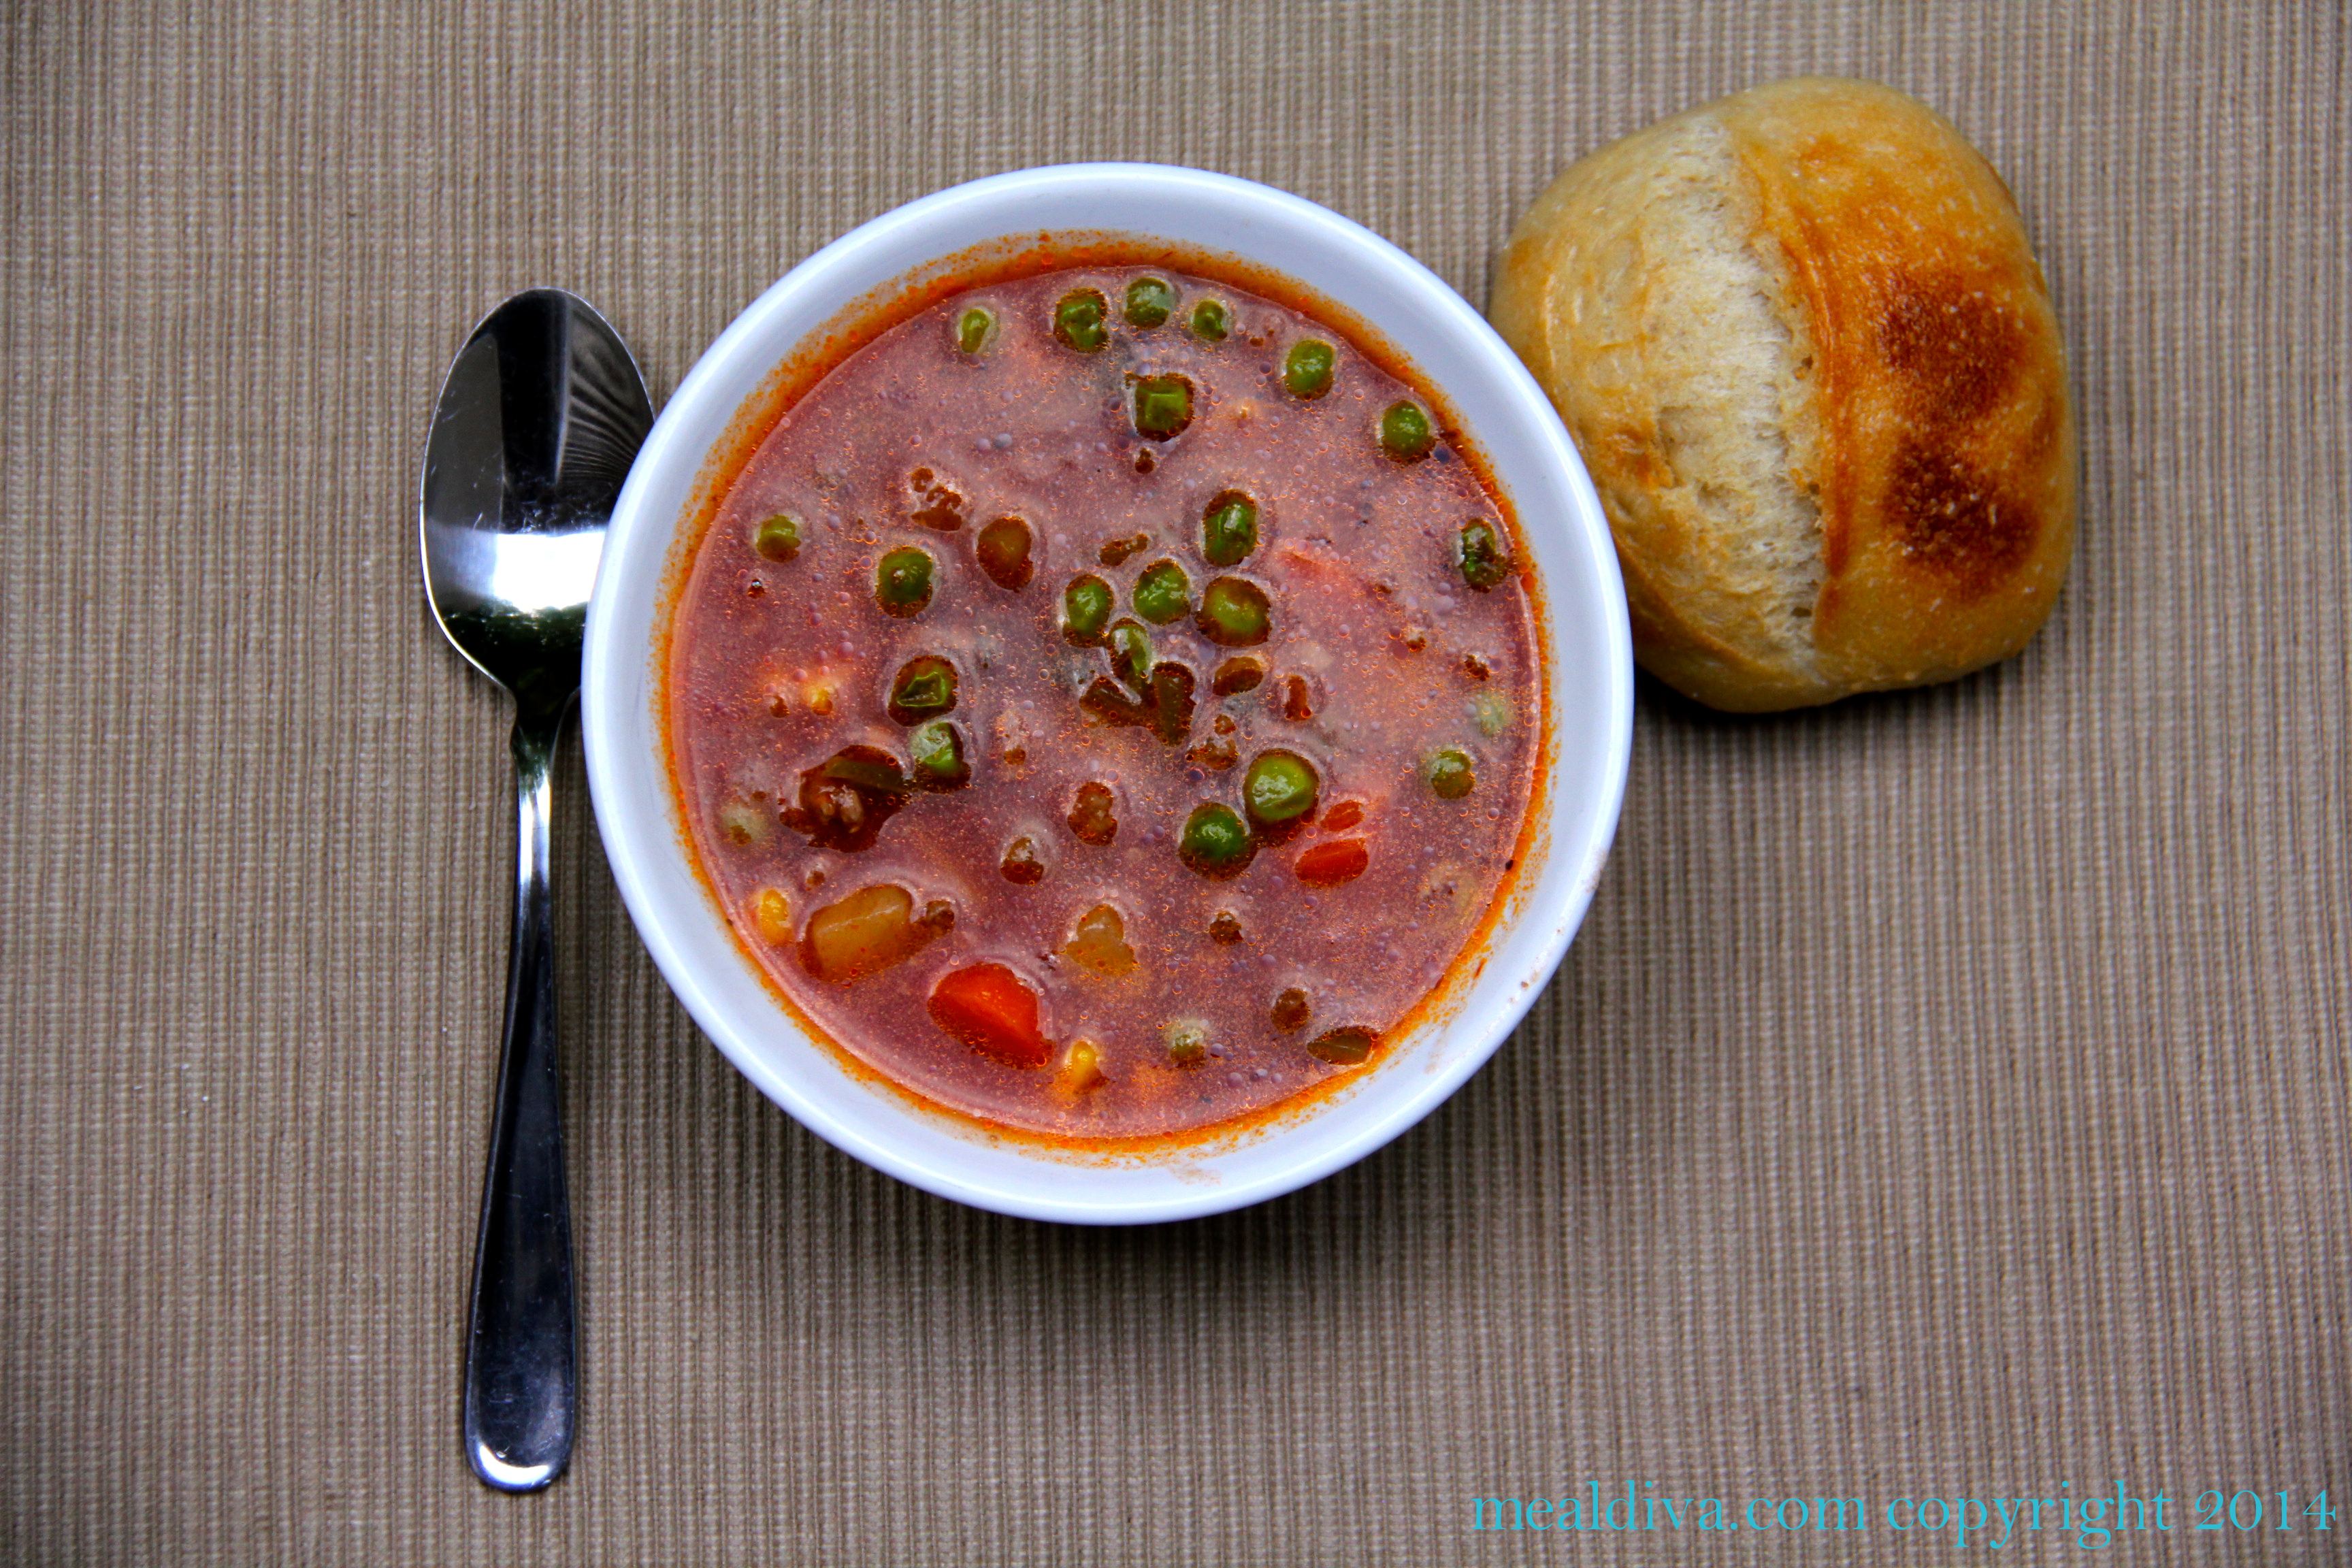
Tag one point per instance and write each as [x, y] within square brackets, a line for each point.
[520, 1384]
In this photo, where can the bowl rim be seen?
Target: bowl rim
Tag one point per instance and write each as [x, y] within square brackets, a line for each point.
[616, 671]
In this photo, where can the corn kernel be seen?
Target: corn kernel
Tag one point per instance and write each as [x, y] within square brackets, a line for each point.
[1081, 1071]
[773, 916]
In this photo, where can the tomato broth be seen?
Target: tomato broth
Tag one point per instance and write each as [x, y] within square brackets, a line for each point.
[1106, 703]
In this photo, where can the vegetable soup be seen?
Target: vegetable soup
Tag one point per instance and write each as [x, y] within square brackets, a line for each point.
[1107, 702]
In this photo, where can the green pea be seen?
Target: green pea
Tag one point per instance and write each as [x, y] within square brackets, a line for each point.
[1280, 787]
[1085, 609]
[1450, 775]
[1215, 843]
[1491, 712]
[1229, 529]
[1210, 323]
[937, 750]
[1307, 370]
[1131, 655]
[778, 538]
[1163, 406]
[1342, 1048]
[1187, 1040]
[1406, 434]
[1233, 613]
[1480, 555]
[1148, 302]
[1162, 592]
[925, 689]
[902, 581]
[1081, 320]
[973, 329]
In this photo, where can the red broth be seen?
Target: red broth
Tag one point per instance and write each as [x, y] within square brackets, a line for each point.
[1126, 876]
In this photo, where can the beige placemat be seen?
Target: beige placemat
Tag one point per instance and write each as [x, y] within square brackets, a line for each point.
[1946, 1097]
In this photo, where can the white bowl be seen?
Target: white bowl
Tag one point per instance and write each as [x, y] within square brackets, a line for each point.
[1589, 660]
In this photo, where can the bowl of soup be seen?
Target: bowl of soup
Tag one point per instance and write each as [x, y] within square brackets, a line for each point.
[1107, 693]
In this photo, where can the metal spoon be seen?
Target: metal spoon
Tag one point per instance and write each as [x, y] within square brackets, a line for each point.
[540, 416]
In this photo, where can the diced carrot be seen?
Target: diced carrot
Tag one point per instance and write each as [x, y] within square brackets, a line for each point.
[1345, 814]
[993, 1011]
[1335, 861]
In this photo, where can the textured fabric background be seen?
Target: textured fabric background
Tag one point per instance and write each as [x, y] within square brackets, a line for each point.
[1948, 1093]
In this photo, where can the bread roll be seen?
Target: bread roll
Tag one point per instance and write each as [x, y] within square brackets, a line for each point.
[1806, 351]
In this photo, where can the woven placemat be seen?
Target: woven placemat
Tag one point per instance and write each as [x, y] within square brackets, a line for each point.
[1945, 1099]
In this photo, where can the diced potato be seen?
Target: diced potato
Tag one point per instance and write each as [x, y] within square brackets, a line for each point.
[1447, 889]
[772, 917]
[745, 822]
[863, 933]
[1100, 942]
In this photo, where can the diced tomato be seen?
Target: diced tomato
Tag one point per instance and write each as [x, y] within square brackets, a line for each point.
[1332, 862]
[993, 1011]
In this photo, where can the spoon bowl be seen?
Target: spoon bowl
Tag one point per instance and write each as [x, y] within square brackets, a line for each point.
[538, 422]
[539, 419]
